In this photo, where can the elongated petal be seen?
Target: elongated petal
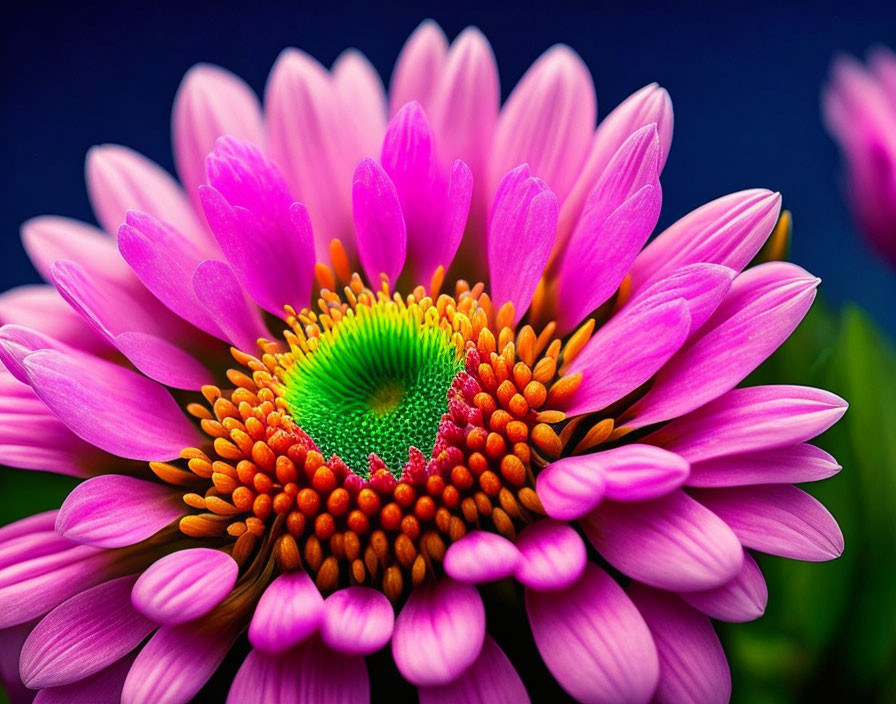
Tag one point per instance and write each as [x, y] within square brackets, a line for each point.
[379, 223]
[594, 641]
[83, 635]
[671, 543]
[553, 555]
[421, 61]
[693, 667]
[360, 86]
[211, 102]
[728, 231]
[175, 664]
[547, 122]
[492, 679]
[113, 408]
[42, 308]
[265, 237]
[290, 610]
[104, 687]
[218, 290]
[163, 361]
[742, 599]
[762, 309]
[785, 465]
[778, 519]
[184, 585]
[357, 621]
[119, 179]
[520, 235]
[111, 511]
[439, 633]
[481, 556]
[751, 419]
[571, 487]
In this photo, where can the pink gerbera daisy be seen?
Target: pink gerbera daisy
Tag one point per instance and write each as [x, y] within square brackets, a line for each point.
[311, 435]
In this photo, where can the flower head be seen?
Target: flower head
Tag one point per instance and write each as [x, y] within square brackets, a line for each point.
[356, 368]
[859, 106]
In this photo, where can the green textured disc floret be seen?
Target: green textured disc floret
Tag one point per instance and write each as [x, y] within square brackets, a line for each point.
[377, 383]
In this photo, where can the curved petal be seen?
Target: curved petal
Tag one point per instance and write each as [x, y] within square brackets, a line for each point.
[492, 679]
[693, 667]
[784, 465]
[671, 543]
[290, 610]
[163, 361]
[379, 223]
[218, 290]
[742, 599]
[83, 635]
[552, 555]
[481, 556]
[112, 511]
[357, 621]
[420, 62]
[104, 687]
[439, 633]
[184, 585]
[359, 84]
[594, 641]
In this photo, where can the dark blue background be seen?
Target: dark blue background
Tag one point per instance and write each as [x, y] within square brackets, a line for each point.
[744, 80]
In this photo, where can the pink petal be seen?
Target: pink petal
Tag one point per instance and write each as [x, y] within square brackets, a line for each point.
[357, 621]
[218, 290]
[210, 103]
[521, 230]
[100, 688]
[11, 640]
[163, 361]
[360, 86]
[379, 223]
[671, 543]
[492, 679]
[650, 105]
[439, 633]
[762, 309]
[419, 64]
[175, 664]
[547, 121]
[553, 555]
[290, 610]
[785, 465]
[265, 237]
[571, 487]
[83, 635]
[778, 519]
[310, 674]
[617, 219]
[113, 408]
[728, 231]
[119, 179]
[751, 419]
[184, 585]
[693, 667]
[742, 599]
[17, 342]
[481, 556]
[594, 641]
[111, 511]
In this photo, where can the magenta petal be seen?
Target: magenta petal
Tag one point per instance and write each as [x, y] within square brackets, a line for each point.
[728, 231]
[553, 555]
[594, 641]
[381, 232]
[572, 486]
[492, 679]
[742, 599]
[93, 396]
[671, 543]
[83, 635]
[184, 585]
[481, 556]
[267, 240]
[627, 352]
[439, 633]
[521, 232]
[357, 621]
[17, 342]
[11, 640]
[778, 519]
[785, 465]
[358, 83]
[175, 664]
[210, 103]
[112, 511]
[104, 687]
[163, 361]
[762, 309]
[290, 610]
[420, 62]
[219, 291]
[751, 419]
[693, 667]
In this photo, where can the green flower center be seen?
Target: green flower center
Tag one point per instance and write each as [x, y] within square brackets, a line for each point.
[378, 383]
